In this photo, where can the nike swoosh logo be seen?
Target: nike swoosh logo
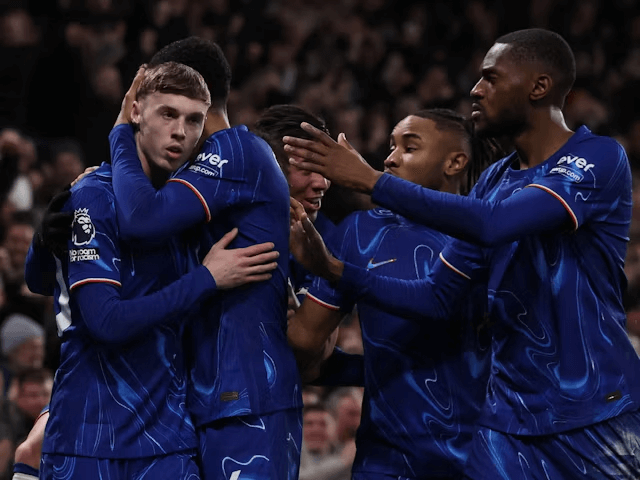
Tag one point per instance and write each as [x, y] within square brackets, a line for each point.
[371, 265]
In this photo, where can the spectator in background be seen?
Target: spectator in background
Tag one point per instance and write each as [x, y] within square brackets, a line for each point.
[346, 406]
[15, 155]
[67, 162]
[22, 341]
[30, 392]
[13, 252]
[319, 458]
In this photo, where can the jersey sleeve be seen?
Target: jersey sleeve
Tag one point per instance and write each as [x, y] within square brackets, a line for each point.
[589, 181]
[224, 174]
[144, 212]
[485, 222]
[112, 320]
[94, 253]
[324, 292]
[40, 270]
[435, 297]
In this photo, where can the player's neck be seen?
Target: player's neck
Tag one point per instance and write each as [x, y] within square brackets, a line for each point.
[546, 134]
[216, 120]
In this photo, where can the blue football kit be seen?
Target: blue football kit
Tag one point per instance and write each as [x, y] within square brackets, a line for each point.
[242, 366]
[119, 394]
[563, 368]
[425, 380]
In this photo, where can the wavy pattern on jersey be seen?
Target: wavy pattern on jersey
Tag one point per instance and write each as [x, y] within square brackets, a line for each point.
[424, 382]
[603, 451]
[178, 466]
[561, 355]
[242, 361]
[125, 400]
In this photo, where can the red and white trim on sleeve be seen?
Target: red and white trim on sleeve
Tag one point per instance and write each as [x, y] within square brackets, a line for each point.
[324, 304]
[198, 194]
[95, 280]
[459, 272]
[562, 201]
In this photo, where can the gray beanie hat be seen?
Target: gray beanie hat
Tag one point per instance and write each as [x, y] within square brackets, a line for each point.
[17, 329]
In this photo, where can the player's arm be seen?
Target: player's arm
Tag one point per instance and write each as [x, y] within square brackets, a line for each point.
[40, 270]
[485, 222]
[586, 185]
[309, 334]
[50, 238]
[434, 297]
[563, 197]
[27, 455]
[110, 319]
[143, 211]
[475, 220]
[341, 369]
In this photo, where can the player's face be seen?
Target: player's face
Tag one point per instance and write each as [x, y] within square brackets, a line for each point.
[417, 152]
[500, 98]
[308, 188]
[170, 126]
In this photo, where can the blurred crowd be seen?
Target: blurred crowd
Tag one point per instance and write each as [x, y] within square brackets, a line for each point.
[362, 65]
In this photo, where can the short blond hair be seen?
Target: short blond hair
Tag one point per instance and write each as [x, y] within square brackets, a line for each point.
[176, 78]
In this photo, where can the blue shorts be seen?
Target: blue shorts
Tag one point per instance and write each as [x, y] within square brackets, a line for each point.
[176, 466]
[607, 450]
[384, 476]
[265, 447]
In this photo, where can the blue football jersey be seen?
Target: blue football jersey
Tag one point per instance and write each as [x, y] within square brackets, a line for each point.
[561, 355]
[242, 362]
[425, 381]
[115, 401]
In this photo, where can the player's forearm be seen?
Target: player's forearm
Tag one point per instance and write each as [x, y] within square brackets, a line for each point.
[433, 298]
[40, 270]
[341, 369]
[112, 320]
[144, 212]
[479, 221]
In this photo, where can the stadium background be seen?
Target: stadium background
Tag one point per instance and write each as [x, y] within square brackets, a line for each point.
[360, 64]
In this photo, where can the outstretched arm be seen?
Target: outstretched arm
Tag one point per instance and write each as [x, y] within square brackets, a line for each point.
[113, 320]
[434, 297]
[563, 196]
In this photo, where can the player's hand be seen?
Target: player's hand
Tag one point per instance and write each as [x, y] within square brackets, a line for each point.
[54, 230]
[86, 172]
[337, 161]
[127, 103]
[231, 268]
[308, 248]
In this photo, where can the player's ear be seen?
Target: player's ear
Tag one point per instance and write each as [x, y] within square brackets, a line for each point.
[541, 87]
[136, 112]
[456, 163]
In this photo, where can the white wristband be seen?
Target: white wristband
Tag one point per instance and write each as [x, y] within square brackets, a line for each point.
[23, 476]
